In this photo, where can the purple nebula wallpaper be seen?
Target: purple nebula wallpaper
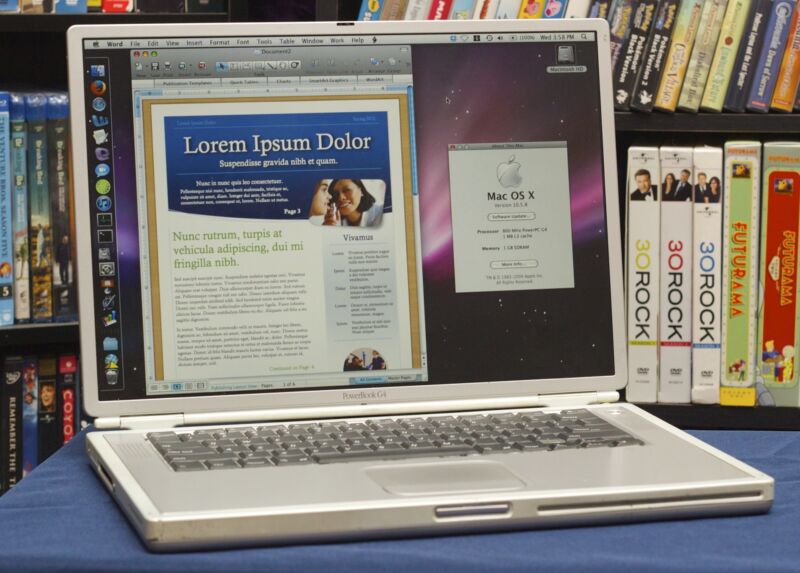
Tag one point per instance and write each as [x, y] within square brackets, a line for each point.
[497, 93]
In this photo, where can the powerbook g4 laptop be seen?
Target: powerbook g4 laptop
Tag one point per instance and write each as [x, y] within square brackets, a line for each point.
[357, 280]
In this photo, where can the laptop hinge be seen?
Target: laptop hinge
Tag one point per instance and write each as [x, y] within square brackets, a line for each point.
[578, 399]
[354, 410]
[139, 422]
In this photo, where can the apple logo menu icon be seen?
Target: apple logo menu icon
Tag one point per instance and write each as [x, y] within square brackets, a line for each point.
[508, 173]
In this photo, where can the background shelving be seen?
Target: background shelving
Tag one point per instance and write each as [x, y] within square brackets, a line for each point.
[43, 66]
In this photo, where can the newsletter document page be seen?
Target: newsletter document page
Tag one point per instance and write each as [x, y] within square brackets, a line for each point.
[280, 237]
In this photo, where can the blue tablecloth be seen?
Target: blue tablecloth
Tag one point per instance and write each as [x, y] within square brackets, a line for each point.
[61, 519]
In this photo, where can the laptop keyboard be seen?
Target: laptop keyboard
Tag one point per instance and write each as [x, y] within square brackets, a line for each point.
[379, 439]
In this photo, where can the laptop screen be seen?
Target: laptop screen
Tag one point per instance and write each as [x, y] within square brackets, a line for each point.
[283, 213]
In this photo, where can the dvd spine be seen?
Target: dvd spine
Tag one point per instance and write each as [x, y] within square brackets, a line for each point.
[740, 277]
[778, 317]
[11, 411]
[577, 9]
[6, 239]
[748, 54]
[47, 425]
[643, 264]
[620, 26]
[675, 299]
[683, 36]
[417, 9]
[600, 9]
[658, 43]
[507, 9]
[64, 295]
[67, 397]
[789, 74]
[700, 62]
[462, 10]
[19, 215]
[30, 414]
[440, 10]
[530, 10]
[554, 9]
[730, 37]
[632, 52]
[394, 9]
[707, 275]
[370, 10]
[41, 232]
[766, 72]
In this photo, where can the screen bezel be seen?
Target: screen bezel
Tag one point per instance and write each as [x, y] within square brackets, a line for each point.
[424, 392]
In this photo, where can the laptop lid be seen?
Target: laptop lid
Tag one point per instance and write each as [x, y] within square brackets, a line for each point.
[283, 216]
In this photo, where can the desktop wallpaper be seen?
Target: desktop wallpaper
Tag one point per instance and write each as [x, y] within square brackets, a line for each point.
[495, 93]
[473, 94]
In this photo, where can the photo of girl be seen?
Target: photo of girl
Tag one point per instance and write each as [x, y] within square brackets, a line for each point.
[670, 184]
[348, 202]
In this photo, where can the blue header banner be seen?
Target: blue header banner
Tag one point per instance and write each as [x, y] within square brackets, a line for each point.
[268, 166]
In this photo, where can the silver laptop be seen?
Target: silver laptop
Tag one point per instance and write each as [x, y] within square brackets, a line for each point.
[354, 280]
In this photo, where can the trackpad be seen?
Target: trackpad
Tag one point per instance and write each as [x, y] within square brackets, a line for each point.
[445, 477]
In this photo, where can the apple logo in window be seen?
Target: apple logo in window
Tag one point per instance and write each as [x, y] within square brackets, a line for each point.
[508, 173]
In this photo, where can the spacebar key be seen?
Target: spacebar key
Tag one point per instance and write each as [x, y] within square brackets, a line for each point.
[332, 457]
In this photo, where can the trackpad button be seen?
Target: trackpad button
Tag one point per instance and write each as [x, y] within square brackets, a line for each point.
[437, 478]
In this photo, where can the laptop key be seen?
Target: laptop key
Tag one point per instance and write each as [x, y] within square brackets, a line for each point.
[222, 464]
[188, 466]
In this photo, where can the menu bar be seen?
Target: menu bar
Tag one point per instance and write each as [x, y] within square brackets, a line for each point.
[310, 41]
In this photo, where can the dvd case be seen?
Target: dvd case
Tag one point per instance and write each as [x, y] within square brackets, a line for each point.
[417, 9]
[730, 37]
[485, 9]
[19, 217]
[748, 54]
[440, 10]
[30, 414]
[554, 9]
[778, 317]
[507, 9]
[370, 10]
[766, 71]
[643, 264]
[632, 53]
[40, 228]
[789, 73]
[683, 36]
[462, 9]
[675, 296]
[11, 420]
[649, 77]
[70, 6]
[530, 9]
[620, 26]
[700, 63]
[394, 9]
[67, 397]
[739, 268]
[577, 9]
[599, 9]
[707, 275]
[6, 238]
[65, 306]
[47, 426]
